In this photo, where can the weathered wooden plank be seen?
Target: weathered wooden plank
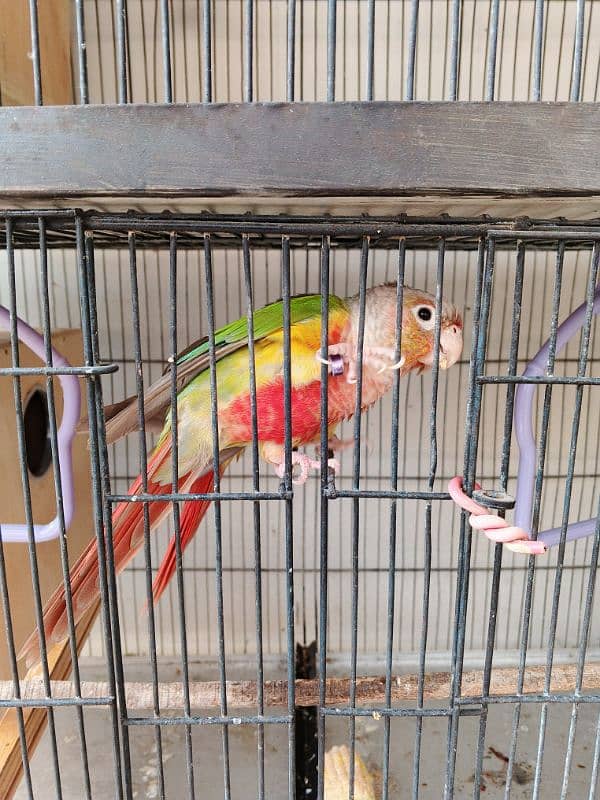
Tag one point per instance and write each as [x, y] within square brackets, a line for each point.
[302, 149]
[242, 694]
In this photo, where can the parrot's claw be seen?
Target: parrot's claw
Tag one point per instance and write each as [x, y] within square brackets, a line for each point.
[376, 357]
[337, 357]
[304, 464]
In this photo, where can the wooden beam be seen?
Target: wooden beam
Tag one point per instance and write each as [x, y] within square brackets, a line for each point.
[242, 694]
[302, 150]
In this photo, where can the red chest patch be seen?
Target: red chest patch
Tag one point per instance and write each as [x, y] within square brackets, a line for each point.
[306, 416]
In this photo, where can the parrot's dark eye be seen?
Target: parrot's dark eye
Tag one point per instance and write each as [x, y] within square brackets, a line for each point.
[425, 317]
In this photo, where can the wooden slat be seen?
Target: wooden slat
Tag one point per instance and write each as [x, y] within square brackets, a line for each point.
[302, 150]
[242, 694]
[16, 74]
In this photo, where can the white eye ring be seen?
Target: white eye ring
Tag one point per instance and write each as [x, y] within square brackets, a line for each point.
[421, 315]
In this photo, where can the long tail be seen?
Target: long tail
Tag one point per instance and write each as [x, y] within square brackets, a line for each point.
[127, 535]
[192, 514]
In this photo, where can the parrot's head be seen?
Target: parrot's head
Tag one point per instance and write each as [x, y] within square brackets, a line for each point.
[418, 327]
[418, 331]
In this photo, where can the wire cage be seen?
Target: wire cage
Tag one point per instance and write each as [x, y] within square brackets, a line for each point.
[352, 637]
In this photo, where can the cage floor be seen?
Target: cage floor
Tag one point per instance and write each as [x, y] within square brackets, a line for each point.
[208, 760]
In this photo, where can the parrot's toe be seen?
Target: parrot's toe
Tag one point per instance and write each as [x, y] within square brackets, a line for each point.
[301, 466]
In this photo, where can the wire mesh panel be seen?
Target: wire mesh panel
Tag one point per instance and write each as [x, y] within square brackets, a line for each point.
[150, 51]
[374, 562]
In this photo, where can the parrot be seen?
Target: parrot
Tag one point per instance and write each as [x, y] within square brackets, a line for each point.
[234, 418]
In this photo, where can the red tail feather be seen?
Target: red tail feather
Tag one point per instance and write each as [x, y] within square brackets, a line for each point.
[127, 535]
[191, 516]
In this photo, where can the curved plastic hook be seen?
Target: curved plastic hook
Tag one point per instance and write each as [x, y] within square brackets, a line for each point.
[14, 532]
[524, 432]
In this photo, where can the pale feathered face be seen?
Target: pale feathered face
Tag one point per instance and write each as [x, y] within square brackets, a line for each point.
[418, 331]
[418, 326]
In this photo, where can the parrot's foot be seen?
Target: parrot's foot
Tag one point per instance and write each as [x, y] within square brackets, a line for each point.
[301, 463]
[304, 464]
[341, 354]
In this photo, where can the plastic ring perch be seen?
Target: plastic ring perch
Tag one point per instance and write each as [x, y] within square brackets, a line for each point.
[523, 504]
[18, 532]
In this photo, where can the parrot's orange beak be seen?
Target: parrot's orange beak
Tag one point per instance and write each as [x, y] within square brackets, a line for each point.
[451, 345]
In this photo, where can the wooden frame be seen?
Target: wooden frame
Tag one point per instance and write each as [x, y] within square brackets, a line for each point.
[301, 150]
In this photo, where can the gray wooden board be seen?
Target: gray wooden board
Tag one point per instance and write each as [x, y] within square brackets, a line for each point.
[301, 149]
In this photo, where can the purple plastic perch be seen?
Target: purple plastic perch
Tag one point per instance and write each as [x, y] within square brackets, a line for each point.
[525, 438]
[14, 532]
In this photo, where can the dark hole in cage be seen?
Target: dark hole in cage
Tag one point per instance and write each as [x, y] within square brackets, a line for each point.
[37, 434]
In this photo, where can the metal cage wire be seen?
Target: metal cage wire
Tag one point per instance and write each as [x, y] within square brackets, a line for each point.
[373, 565]
[495, 253]
[325, 50]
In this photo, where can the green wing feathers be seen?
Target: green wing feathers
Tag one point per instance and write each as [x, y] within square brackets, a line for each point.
[265, 320]
[122, 418]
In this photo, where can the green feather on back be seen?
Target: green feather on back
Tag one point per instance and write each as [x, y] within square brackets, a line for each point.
[123, 417]
[266, 320]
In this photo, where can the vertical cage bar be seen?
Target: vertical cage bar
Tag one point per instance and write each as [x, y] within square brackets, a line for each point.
[165, 19]
[289, 520]
[248, 50]
[210, 308]
[139, 385]
[81, 53]
[595, 764]
[33, 559]
[246, 257]
[541, 456]
[538, 36]
[35, 53]
[323, 515]
[433, 454]
[331, 48]
[6, 606]
[185, 677]
[121, 13]
[582, 365]
[455, 49]
[492, 50]
[364, 261]
[14, 669]
[207, 40]
[412, 50]
[577, 52]
[498, 548]
[53, 436]
[291, 50]
[370, 50]
[104, 539]
[481, 308]
[391, 588]
[581, 654]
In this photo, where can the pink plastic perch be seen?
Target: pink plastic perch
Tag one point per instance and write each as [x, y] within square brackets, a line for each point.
[15, 532]
[517, 537]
